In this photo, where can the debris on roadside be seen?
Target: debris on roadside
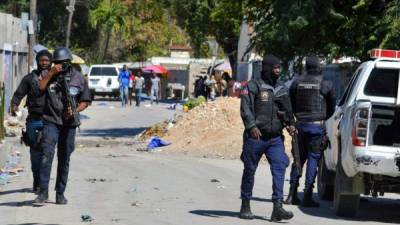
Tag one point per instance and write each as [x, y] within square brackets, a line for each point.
[94, 180]
[136, 203]
[86, 218]
[214, 181]
[156, 142]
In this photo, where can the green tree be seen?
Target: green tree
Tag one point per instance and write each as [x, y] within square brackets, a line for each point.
[109, 17]
[216, 18]
[290, 28]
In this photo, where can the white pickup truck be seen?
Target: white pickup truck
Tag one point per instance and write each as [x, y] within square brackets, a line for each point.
[364, 132]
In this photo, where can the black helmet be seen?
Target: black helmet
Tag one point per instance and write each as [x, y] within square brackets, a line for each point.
[62, 54]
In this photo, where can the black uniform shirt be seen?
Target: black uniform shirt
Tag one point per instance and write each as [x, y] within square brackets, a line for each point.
[56, 101]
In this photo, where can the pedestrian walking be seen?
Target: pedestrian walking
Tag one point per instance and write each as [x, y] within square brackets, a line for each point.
[313, 100]
[35, 100]
[155, 88]
[66, 94]
[265, 111]
[139, 83]
[130, 87]
[123, 79]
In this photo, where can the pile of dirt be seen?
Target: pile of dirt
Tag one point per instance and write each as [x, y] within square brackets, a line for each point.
[213, 129]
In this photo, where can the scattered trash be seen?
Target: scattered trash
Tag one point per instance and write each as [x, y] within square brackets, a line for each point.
[102, 104]
[94, 180]
[214, 181]
[172, 106]
[10, 133]
[12, 121]
[99, 145]
[116, 156]
[147, 106]
[160, 210]
[4, 178]
[136, 203]
[135, 189]
[111, 107]
[129, 143]
[115, 220]
[156, 142]
[221, 187]
[86, 218]
[156, 188]
[81, 146]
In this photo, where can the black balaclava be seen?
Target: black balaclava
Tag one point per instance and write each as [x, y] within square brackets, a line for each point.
[312, 65]
[268, 64]
[39, 55]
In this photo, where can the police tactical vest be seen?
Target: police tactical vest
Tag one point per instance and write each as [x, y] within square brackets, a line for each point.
[266, 111]
[309, 100]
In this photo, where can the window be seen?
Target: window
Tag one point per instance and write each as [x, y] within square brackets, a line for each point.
[382, 83]
[103, 71]
[350, 86]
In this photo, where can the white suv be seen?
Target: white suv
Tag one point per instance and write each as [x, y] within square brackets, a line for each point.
[364, 155]
[103, 80]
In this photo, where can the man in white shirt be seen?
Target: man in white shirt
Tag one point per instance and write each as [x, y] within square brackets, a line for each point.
[139, 83]
[155, 88]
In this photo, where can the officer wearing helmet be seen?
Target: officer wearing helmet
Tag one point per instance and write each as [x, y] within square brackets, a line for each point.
[62, 85]
[35, 102]
[265, 110]
[313, 100]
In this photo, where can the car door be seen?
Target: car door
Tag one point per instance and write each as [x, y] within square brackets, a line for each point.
[333, 123]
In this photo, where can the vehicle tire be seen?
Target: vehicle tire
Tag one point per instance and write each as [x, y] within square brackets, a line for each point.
[345, 204]
[325, 189]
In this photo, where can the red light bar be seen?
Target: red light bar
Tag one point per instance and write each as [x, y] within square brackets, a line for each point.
[384, 53]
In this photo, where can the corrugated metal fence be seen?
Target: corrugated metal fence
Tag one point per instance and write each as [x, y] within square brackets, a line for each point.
[13, 60]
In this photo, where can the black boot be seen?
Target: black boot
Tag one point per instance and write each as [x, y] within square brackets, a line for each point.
[292, 198]
[60, 199]
[35, 188]
[245, 211]
[42, 197]
[279, 213]
[308, 200]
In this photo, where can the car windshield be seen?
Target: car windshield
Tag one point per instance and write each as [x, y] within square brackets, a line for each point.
[382, 83]
[103, 71]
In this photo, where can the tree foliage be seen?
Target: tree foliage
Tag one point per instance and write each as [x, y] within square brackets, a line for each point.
[290, 28]
[219, 19]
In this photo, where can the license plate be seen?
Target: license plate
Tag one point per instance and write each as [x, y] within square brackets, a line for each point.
[103, 90]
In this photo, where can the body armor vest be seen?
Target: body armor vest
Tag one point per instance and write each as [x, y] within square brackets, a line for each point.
[309, 101]
[266, 112]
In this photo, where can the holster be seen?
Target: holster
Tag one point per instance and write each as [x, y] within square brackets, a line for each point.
[28, 141]
[325, 143]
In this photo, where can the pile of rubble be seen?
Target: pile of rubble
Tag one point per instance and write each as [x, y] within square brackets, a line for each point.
[213, 128]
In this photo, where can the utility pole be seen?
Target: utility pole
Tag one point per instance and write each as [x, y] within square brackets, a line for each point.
[71, 9]
[32, 36]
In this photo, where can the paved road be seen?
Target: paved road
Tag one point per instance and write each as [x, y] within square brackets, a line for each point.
[118, 185]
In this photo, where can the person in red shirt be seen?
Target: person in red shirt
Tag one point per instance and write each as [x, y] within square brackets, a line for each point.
[131, 82]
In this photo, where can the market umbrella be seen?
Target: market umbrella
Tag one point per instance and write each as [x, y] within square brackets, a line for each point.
[155, 69]
[225, 66]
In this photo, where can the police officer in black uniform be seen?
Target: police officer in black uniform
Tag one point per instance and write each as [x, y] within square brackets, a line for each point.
[29, 87]
[265, 110]
[65, 89]
[313, 100]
